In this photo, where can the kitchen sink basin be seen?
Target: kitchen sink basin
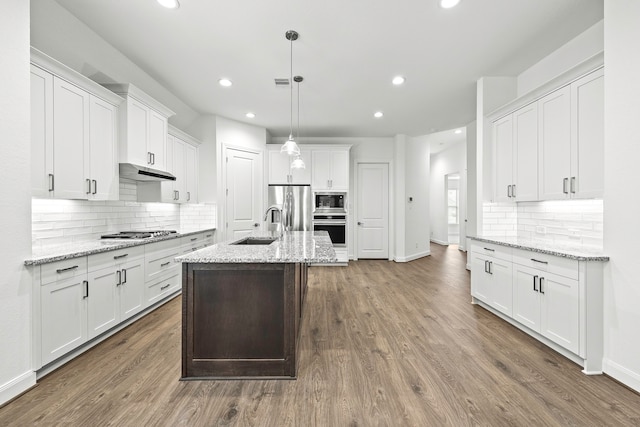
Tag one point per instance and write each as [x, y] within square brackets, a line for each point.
[255, 241]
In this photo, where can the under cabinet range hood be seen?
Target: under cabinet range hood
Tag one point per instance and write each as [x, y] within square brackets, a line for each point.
[143, 173]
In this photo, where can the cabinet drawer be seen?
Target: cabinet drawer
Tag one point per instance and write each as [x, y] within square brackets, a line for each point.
[163, 287]
[565, 267]
[158, 263]
[492, 249]
[64, 269]
[163, 245]
[111, 258]
[194, 239]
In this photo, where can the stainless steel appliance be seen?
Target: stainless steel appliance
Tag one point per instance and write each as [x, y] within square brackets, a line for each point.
[143, 234]
[335, 224]
[330, 202]
[295, 203]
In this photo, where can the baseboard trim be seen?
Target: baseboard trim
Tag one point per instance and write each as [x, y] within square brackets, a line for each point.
[17, 386]
[620, 373]
[440, 242]
[412, 257]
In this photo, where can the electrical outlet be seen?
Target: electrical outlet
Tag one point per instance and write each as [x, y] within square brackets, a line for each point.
[416, 246]
[574, 234]
[541, 229]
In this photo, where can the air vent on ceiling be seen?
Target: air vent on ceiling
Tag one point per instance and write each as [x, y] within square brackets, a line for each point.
[282, 82]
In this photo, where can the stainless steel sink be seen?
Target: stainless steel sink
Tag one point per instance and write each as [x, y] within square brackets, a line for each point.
[255, 241]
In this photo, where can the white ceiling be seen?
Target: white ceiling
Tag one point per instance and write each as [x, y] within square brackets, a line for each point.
[348, 52]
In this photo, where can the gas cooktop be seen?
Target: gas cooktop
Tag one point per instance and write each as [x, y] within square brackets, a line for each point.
[146, 234]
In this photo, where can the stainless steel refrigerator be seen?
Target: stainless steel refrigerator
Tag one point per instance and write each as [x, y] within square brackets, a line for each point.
[295, 201]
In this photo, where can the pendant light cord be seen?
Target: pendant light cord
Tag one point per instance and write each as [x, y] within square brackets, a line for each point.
[291, 87]
[298, 130]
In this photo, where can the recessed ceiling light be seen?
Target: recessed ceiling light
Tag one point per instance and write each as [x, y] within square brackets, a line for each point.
[225, 82]
[250, 115]
[378, 114]
[169, 4]
[448, 4]
[398, 80]
[458, 131]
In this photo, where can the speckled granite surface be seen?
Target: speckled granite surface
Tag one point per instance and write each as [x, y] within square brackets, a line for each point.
[580, 253]
[295, 246]
[75, 250]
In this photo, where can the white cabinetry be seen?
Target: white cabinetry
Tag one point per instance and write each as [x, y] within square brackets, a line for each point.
[74, 134]
[143, 127]
[546, 296]
[330, 169]
[503, 147]
[280, 171]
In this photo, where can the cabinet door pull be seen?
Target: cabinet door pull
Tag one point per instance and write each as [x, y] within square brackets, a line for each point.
[162, 288]
[86, 289]
[188, 196]
[51, 182]
[148, 157]
[535, 279]
[508, 191]
[209, 235]
[95, 186]
[164, 264]
[62, 270]
[513, 190]
[565, 181]
[88, 186]
[538, 261]
[540, 284]
[120, 256]
[486, 269]
[153, 158]
[177, 194]
[194, 239]
[573, 185]
[119, 276]
[124, 276]
[489, 249]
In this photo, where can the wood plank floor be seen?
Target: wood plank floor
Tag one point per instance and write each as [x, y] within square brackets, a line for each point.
[383, 344]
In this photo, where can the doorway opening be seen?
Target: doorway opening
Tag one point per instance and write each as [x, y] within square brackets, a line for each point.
[452, 205]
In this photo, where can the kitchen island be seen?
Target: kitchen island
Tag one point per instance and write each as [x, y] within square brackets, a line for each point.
[242, 304]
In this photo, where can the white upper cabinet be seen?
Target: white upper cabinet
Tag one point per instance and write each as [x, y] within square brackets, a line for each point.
[143, 127]
[74, 134]
[525, 140]
[191, 173]
[587, 136]
[503, 148]
[280, 171]
[330, 169]
[555, 144]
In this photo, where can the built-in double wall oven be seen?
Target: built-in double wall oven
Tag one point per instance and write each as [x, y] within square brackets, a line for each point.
[330, 214]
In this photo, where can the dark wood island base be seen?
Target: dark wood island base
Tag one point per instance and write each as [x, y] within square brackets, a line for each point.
[241, 320]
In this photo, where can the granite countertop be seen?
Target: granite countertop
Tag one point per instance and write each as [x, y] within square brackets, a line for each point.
[565, 250]
[294, 247]
[74, 250]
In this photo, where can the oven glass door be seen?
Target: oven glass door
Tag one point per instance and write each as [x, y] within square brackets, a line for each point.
[337, 232]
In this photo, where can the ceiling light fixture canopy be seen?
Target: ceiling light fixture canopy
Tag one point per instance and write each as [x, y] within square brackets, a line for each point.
[448, 4]
[169, 4]
[251, 115]
[290, 147]
[378, 114]
[225, 82]
[398, 80]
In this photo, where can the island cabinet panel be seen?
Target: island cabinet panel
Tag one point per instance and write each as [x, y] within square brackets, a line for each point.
[240, 320]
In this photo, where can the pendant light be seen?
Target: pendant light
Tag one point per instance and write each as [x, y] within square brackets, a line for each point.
[298, 163]
[290, 147]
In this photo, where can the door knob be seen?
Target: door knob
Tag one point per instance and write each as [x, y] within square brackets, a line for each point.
[360, 223]
[256, 225]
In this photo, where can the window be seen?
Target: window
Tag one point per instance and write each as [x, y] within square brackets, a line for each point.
[452, 206]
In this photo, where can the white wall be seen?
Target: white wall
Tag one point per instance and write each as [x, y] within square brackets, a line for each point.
[417, 184]
[621, 225]
[65, 38]
[451, 160]
[472, 179]
[582, 47]
[16, 374]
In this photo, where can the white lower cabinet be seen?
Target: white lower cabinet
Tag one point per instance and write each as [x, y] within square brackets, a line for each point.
[545, 295]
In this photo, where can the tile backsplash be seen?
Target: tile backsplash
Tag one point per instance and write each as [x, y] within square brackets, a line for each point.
[65, 221]
[560, 221]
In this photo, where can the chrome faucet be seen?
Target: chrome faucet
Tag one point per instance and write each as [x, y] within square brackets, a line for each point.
[277, 208]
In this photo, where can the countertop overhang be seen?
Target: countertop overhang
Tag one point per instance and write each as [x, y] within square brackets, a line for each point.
[565, 250]
[292, 247]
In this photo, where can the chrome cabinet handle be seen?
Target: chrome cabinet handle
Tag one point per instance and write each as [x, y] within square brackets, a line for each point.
[573, 185]
[62, 270]
[565, 181]
[88, 186]
[51, 182]
[95, 186]
[86, 289]
[119, 275]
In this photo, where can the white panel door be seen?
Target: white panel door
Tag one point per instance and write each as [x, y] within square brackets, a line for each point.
[480, 278]
[102, 307]
[41, 133]
[587, 136]
[554, 127]
[560, 317]
[525, 144]
[243, 192]
[71, 140]
[132, 286]
[191, 173]
[372, 223]
[103, 150]
[501, 294]
[157, 141]
[180, 184]
[503, 146]
[133, 148]
[526, 297]
[321, 170]
[340, 170]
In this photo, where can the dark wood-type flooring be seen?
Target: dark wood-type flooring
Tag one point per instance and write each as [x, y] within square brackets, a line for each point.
[383, 344]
